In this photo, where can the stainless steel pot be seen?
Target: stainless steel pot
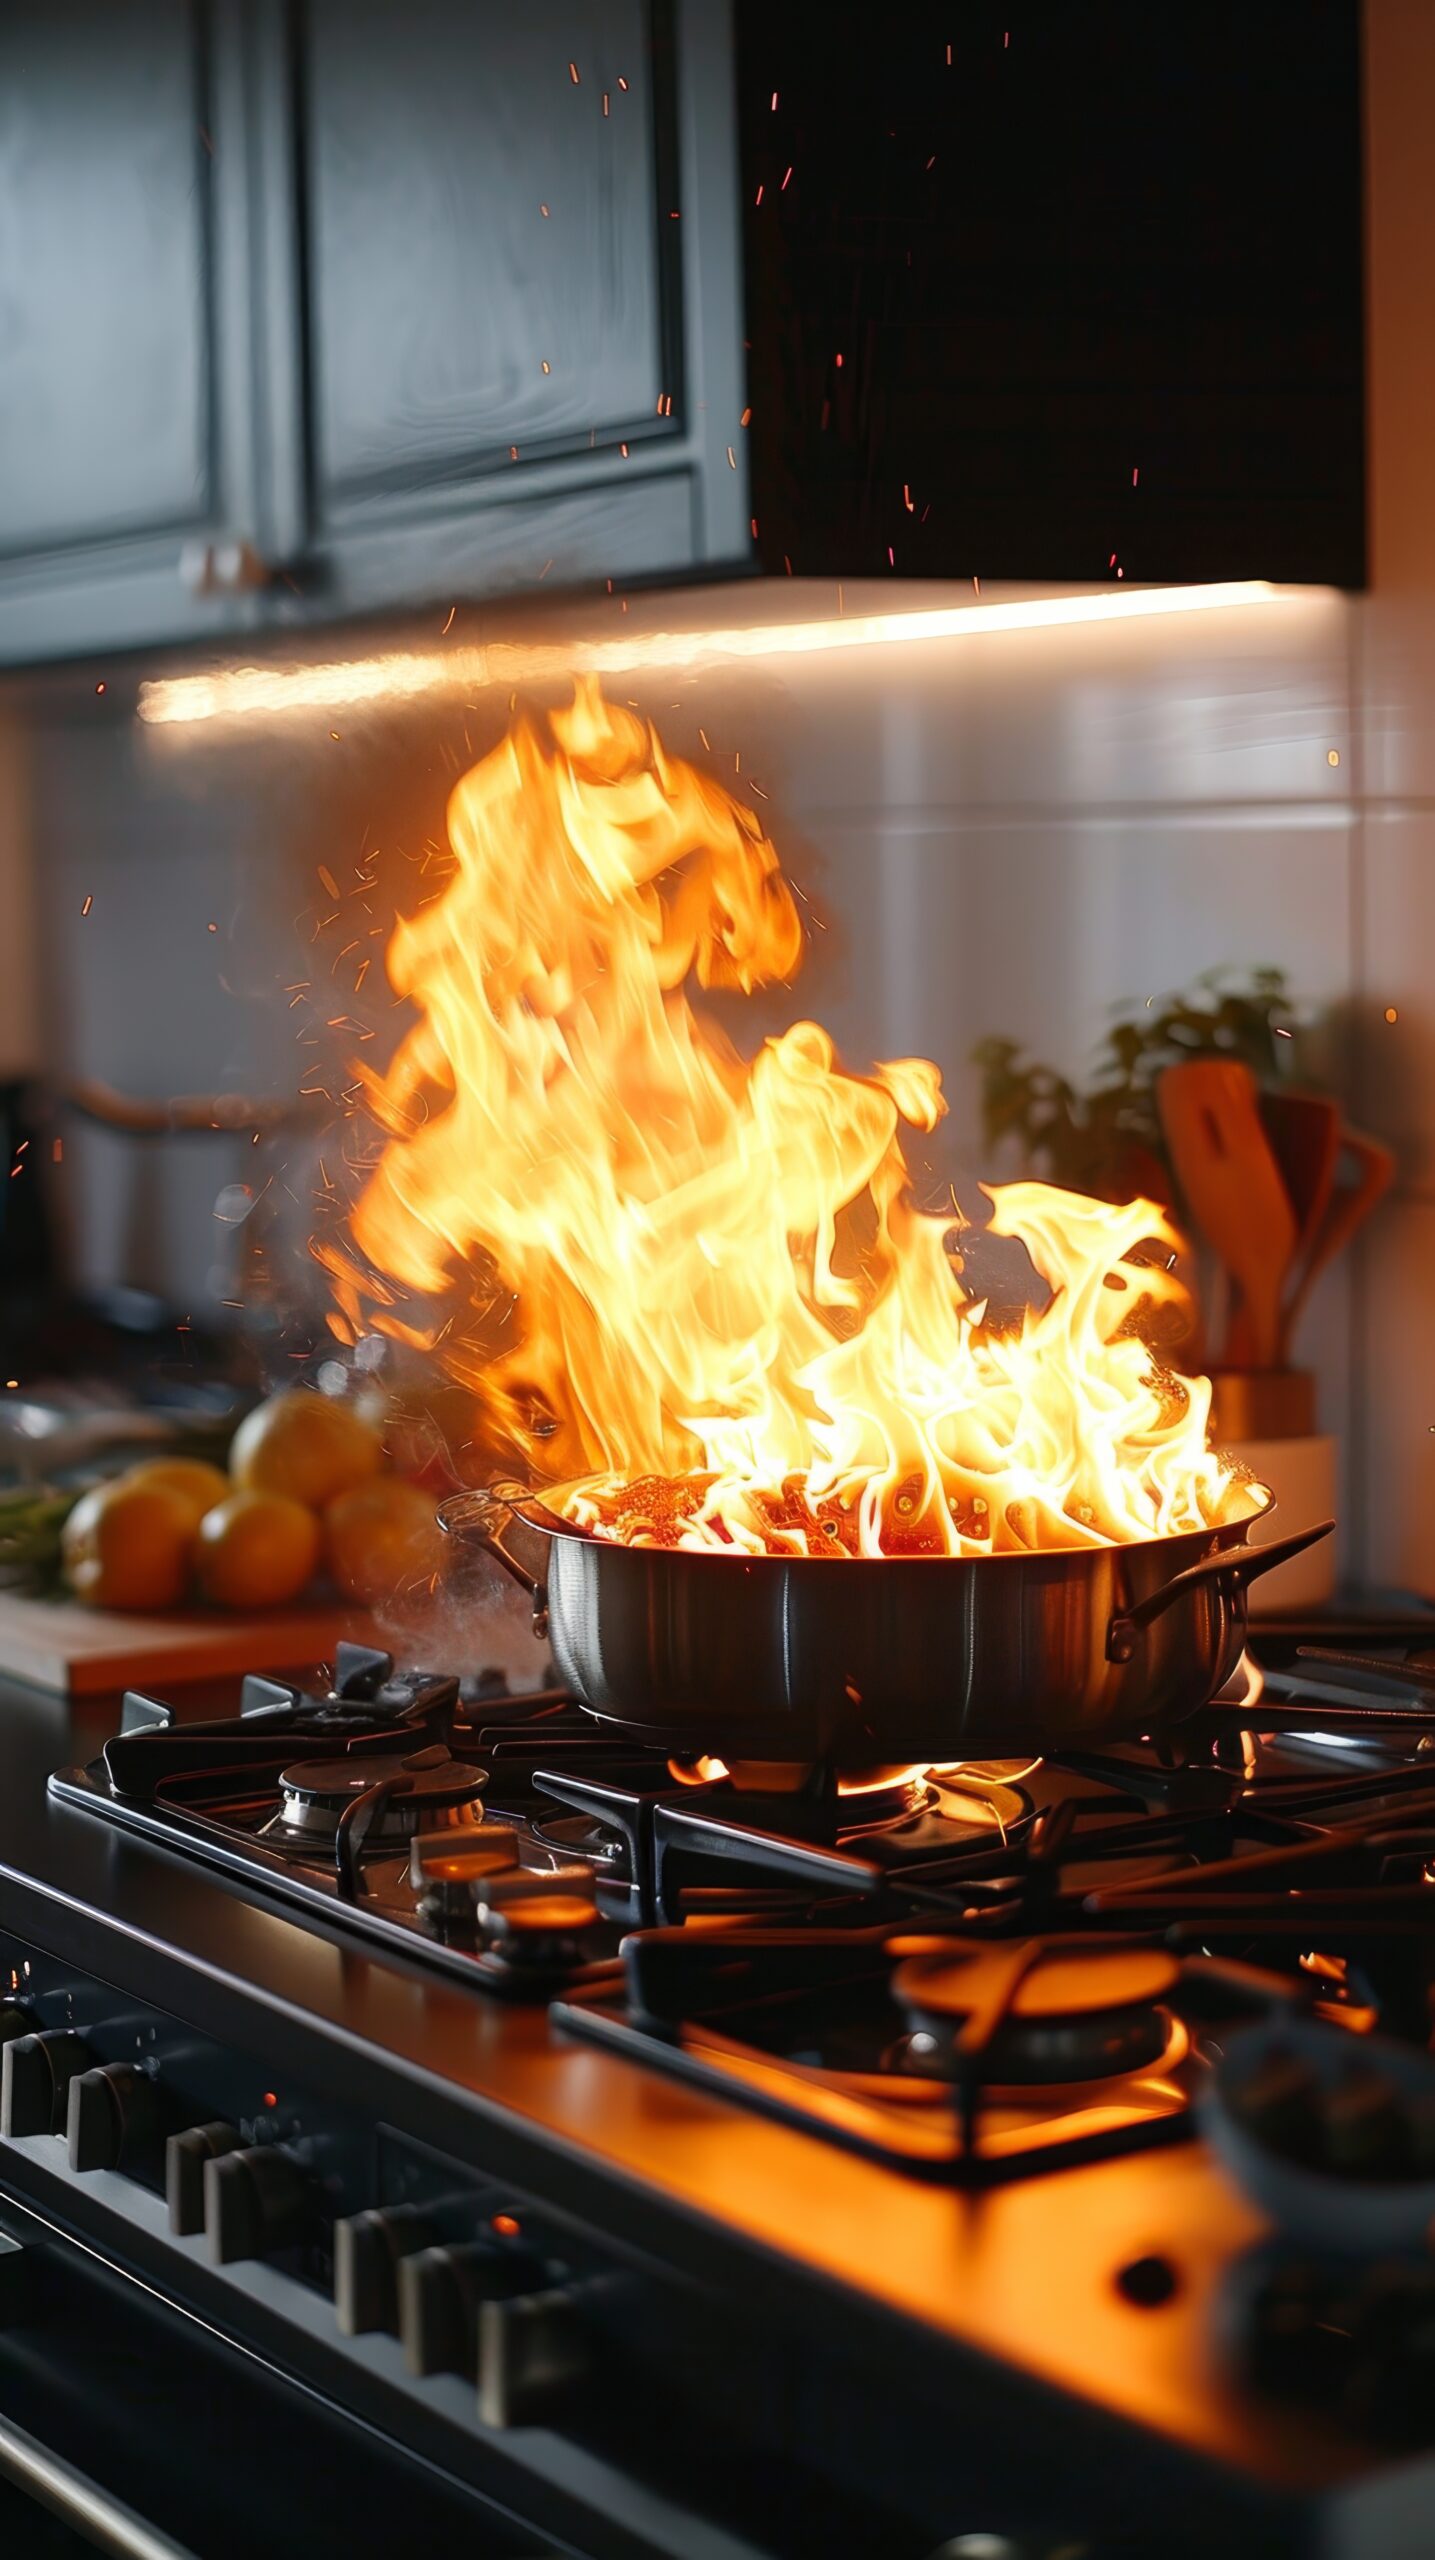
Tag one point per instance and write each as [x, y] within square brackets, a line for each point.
[863, 1662]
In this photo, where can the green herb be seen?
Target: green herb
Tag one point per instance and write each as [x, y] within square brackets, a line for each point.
[1107, 1139]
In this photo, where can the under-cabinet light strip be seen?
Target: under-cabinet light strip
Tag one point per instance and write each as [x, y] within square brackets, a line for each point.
[407, 675]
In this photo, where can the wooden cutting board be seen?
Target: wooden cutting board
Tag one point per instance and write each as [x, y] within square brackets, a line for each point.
[81, 1652]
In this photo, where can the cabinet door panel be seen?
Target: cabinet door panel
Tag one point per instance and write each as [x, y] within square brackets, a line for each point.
[104, 194]
[439, 289]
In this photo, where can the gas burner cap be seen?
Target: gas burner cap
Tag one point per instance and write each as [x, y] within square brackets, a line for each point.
[428, 1791]
[1071, 2016]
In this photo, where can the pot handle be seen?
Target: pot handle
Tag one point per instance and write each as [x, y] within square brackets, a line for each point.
[489, 1517]
[1245, 1564]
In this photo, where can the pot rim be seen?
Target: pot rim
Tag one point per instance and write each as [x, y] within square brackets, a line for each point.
[526, 1503]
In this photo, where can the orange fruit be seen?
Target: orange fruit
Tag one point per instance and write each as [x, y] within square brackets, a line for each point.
[256, 1550]
[197, 1483]
[126, 1546]
[382, 1539]
[304, 1445]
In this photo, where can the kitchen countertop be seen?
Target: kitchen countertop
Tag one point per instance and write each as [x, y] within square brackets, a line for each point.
[1024, 2273]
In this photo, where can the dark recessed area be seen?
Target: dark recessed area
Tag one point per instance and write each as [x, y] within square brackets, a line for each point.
[1048, 292]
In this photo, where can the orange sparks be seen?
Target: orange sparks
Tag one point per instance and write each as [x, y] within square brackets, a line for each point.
[448, 626]
[328, 879]
[573, 73]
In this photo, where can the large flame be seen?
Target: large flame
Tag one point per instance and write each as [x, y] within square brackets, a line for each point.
[699, 1281]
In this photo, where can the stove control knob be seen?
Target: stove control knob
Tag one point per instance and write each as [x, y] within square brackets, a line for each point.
[368, 2248]
[35, 2072]
[14, 2021]
[112, 2113]
[440, 2293]
[184, 2157]
[255, 2201]
[532, 2349]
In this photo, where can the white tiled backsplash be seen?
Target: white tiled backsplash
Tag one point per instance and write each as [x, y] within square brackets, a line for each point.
[1004, 834]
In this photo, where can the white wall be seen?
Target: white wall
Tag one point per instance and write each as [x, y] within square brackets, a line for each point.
[999, 834]
[1002, 834]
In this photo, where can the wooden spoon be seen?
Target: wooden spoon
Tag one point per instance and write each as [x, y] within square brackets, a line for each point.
[1233, 1187]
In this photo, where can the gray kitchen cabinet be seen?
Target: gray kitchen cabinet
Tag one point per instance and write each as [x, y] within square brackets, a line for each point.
[124, 406]
[316, 307]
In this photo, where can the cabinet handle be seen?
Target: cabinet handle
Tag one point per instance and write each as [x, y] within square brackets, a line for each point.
[227, 566]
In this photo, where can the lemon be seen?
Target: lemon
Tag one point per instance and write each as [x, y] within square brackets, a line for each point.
[256, 1550]
[382, 1539]
[194, 1480]
[304, 1445]
[126, 1546]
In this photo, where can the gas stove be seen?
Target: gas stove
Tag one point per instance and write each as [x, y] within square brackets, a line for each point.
[967, 1974]
[1142, 2034]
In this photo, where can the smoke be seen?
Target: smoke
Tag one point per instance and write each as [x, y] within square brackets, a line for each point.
[473, 1619]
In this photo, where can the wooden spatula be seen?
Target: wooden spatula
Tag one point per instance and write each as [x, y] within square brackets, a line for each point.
[1372, 1170]
[1232, 1184]
[1304, 1131]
